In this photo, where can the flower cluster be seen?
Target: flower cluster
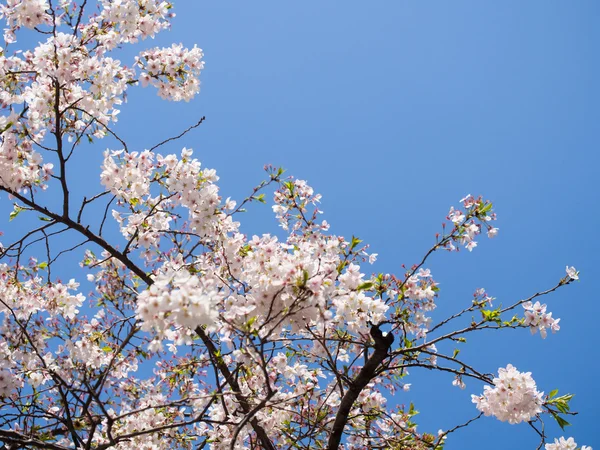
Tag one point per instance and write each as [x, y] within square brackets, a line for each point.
[513, 399]
[173, 70]
[127, 175]
[537, 318]
[127, 21]
[9, 381]
[20, 165]
[287, 323]
[565, 444]
[178, 298]
[23, 13]
[468, 223]
[184, 183]
[294, 195]
[34, 295]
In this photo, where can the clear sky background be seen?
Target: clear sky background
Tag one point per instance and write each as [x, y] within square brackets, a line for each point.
[393, 111]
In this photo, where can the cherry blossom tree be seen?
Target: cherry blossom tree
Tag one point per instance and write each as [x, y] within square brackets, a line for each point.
[195, 335]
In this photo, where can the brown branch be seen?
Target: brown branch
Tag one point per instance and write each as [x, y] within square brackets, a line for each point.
[232, 382]
[364, 377]
[183, 133]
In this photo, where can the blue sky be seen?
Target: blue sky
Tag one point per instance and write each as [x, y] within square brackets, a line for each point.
[393, 111]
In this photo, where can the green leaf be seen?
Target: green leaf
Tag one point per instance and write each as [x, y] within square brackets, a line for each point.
[341, 266]
[251, 322]
[16, 211]
[260, 198]
[42, 265]
[491, 315]
[562, 423]
[8, 125]
[355, 242]
[411, 410]
[455, 354]
[45, 219]
[364, 286]
[289, 185]
[553, 393]
[304, 278]
[487, 208]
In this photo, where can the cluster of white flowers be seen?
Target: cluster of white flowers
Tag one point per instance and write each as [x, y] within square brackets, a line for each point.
[127, 21]
[23, 13]
[92, 86]
[513, 399]
[130, 175]
[469, 228]
[173, 70]
[296, 195]
[149, 413]
[285, 279]
[9, 381]
[89, 353]
[127, 175]
[34, 295]
[419, 295]
[20, 166]
[565, 444]
[537, 318]
[194, 188]
[178, 298]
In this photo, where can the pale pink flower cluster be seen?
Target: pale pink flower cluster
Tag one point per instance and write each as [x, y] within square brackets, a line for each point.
[285, 280]
[93, 85]
[127, 21]
[420, 293]
[537, 318]
[20, 166]
[127, 175]
[466, 224]
[565, 444]
[130, 175]
[23, 13]
[481, 297]
[147, 414]
[297, 195]
[174, 71]
[9, 381]
[354, 308]
[32, 296]
[88, 352]
[179, 299]
[194, 188]
[8, 93]
[513, 399]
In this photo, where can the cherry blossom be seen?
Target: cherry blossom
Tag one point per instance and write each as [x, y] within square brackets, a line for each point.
[572, 273]
[565, 444]
[185, 331]
[513, 399]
